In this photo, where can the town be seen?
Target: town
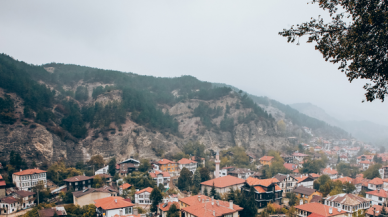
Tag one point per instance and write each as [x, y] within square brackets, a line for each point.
[341, 178]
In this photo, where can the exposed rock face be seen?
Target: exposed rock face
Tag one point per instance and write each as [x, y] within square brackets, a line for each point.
[36, 143]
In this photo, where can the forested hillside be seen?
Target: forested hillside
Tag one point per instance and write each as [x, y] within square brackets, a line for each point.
[69, 111]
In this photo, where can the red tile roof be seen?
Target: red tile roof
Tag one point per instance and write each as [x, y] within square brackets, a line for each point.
[164, 174]
[2, 183]
[289, 166]
[29, 172]
[365, 162]
[296, 171]
[186, 161]
[376, 181]
[330, 171]
[149, 189]
[314, 175]
[370, 157]
[344, 179]
[319, 209]
[262, 182]
[112, 203]
[223, 182]
[193, 200]
[125, 186]
[378, 210]
[165, 161]
[266, 158]
[379, 193]
[166, 208]
[299, 155]
[206, 209]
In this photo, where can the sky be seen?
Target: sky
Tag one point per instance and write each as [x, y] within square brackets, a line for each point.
[232, 42]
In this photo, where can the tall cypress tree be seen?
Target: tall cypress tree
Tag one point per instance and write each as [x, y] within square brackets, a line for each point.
[249, 205]
[213, 191]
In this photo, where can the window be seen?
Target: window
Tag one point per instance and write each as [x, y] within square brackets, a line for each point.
[228, 215]
[128, 210]
[380, 198]
[370, 196]
[141, 201]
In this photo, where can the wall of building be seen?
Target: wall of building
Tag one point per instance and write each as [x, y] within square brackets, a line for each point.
[90, 198]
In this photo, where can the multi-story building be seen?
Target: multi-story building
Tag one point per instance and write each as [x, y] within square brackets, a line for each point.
[318, 210]
[287, 158]
[266, 160]
[378, 197]
[188, 164]
[365, 164]
[305, 195]
[344, 158]
[2, 186]
[128, 166]
[365, 158]
[266, 191]
[304, 180]
[349, 203]
[224, 171]
[166, 165]
[384, 172]
[375, 210]
[113, 206]
[161, 178]
[79, 183]
[27, 198]
[8, 205]
[286, 182]
[142, 197]
[222, 184]
[241, 173]
[375, 184]
[164, 207]
[330, 172]
[26, 179]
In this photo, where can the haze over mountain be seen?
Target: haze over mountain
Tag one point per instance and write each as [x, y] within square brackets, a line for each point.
[367, 131]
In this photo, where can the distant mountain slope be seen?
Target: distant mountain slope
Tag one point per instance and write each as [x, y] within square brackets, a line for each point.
[364, 130]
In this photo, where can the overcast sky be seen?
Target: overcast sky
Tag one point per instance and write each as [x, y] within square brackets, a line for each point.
[232, 42]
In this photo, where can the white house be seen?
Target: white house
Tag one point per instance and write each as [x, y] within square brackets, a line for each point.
[111, 206]
[26, 179]
[305, 181]
[241, 173]
[344, 158]
[365, 158]
[375, 184]
[104, 170]
[378, 197]
[384, 172]
[188, 164]
[27, 198]
[9, 205]
[161, 178]
[317, 148]
[143, 196]
[224, 171]
[350, 203]
[365, 164]
[287, 182]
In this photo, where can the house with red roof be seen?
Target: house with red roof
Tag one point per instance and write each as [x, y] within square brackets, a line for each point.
[359, 182]
[9, 205]
[350, 203]
[142, 197]
[169, 166]
[127, 166]
[111, 206]
[375, 210]
[378, 197]
[318, 210]
[304, 180]
[78, 183]
[203, 206]
[384, 172]
[164, 207]
[365, 164]
[123, 187]
[330, 172]
[161, 178]
[344, 158]
[375, 184]
[191, 165]
[266, 190]
[222, 184]
[365, 157]
[26, 179]
[266, 160]
[299, 156]
[317, 148]
[290, 166]
[344, 179]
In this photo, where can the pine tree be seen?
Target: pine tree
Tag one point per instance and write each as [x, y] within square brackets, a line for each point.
[249, 204]
[112, 166]
[213, 191]
[231, 195]
[156, 198]
[197, 179]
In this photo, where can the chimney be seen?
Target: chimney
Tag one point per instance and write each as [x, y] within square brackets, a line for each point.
[214, 213]
[115, 200]
[203, 200]
[21, 170]
[217, 202]
[330, 210]
[135, 212]
[212, 198]
[199, 198]
[230, 204]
